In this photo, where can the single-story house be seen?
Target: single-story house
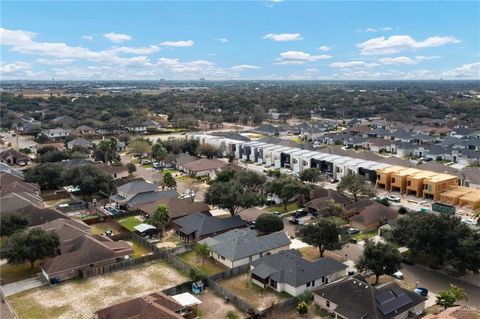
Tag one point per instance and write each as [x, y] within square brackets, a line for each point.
[154, 306]
[287, 271]
[10, 183]
[83, 130]
[64, 120]
[204, 167]
[182, 159]
[352, 298]
[320, 198]
[177, 207]
[116, 171]
[139, 192]
[369, 215]
[199, 226]
[81, 142]
[14, 157]
[17, 201]
[242, 246]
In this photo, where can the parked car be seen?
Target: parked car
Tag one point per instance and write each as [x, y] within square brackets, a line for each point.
[294, 221]
[398, 275]
[352, 240]
[469, 221]
[407, 260]
[352, 231]
[393, 198]
[277, 214]
[300, 213]
[421, 291]
[145, 162]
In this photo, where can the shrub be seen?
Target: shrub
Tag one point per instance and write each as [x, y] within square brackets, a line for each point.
[302, 308]
[306, 297]
[232, 315]
[402, 210]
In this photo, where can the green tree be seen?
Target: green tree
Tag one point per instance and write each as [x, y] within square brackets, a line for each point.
[268, 223]
[251, 180]
[31, 245]
[302, 307]
[48, 175]
[169, 180]
[159, 153]
[231, 195]
[11, 223]
[323, 235]
[140, 146]
[202, 251]
[287, 188]
[311, 175]
[160, 217]
[131, 168]
[448, 298]
[333, 208]
[379, 258]
[106, 150]
[89, 179]
[209, 151]
[356, 185]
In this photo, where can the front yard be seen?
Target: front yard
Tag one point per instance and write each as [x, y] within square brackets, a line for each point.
[12, 273]
[210, 267]
[281, 209]
[243, 287]
[367, 235]
[81, 298]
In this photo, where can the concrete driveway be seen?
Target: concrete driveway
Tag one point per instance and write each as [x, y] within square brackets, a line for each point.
[23, 285]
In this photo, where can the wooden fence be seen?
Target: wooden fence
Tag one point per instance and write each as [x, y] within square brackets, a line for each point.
[126, 264]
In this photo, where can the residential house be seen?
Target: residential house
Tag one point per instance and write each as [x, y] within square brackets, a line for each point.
[36, 215]
[401, 149]
[287, 271]
[352, 298]
[29, 126]
[83, 130]
[368, 214]
[466, 157]
[242, 246]
[151, 125]
[177, 207]
[10, 183]
[269, 130]
[56, 134]
[182, 159]
[5, 168]
[154, 306]
[378, 145]
[64, 120]
[139, 192]
[116, 171]
[13, 157]
[137, 128]
[79, 142]
[204, 167]
[461, 132]
[402, 135]
[320, 198]
[198, 226]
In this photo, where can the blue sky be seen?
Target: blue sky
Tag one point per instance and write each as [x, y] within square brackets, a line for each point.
[240, 40]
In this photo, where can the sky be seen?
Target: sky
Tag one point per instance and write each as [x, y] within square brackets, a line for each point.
[228, 40]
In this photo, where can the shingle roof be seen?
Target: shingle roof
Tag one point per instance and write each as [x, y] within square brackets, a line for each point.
[240, 243]
[148, 197]
[204, 225]
[204, 164]
[12, 153]
[176, 207]
[370, 212]
[79, 142]
[136, 187]
[288, 266]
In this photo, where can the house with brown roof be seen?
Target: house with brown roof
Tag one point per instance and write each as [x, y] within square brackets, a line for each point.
[204, 167]
[176, 207]
[182, 159]
[369, 215]
[154, 306]
[83, 130]
[14, 157]
[10, 183]
[320, 198]
[116, 171]
[84, 253]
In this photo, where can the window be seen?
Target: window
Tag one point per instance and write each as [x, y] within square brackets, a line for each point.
[378, 177]
[409, 183]
[393, 179]
[313, 283]
[323, 279]
[327, 304]
[308, 284]
[222, 257]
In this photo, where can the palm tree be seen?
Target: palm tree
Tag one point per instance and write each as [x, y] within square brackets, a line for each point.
[160, 217]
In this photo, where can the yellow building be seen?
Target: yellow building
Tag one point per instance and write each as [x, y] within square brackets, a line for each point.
[437, 184]
[471, 199]
[384, 176]
[453, 195]
[398, 180]
[415, 182]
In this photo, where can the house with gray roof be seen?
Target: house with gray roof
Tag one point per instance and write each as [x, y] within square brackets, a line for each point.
[242, 246]
[199, 226]
[352, 298]
[140, 192]
[287, 271]
[81, 142]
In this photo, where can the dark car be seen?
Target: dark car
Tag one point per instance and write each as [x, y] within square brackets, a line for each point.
[352, 231]
[300, 213]
[407, 260]
[421, 291]
[293, 221]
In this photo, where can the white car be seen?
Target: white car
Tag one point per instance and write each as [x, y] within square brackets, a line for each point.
[393, 198]
[398, 275]
[145, 162]
[469, 221]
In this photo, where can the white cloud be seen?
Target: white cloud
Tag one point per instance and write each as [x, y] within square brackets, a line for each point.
[244, 67]
[398, 60]
[299, 57]
[54, 61]
[352, 65]
[14, 67]
[283, 37]
[186, 43]
[117, 37]
[87, 37]
[137, 50]
[397, 43]
[222, 40]
[466, 71]
[325, 48]
[426, 58]
[375, 29]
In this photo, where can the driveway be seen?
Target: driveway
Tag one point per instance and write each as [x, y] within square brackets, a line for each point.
[23, 285]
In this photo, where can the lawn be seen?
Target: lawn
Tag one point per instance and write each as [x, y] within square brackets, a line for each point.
[12, 273]
[243, 287]
[367, 235]
[138, 250]
[78, 299]
[311, 253]
[130, 222]
[210, 267]
[337, 220]
[100, 228]
[281, 209]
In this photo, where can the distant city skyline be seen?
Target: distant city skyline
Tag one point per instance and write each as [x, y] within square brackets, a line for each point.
[270, 40]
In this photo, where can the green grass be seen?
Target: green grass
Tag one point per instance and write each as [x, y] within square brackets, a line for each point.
[100, 228]
[130, 222]
[337, 220]
[367, 235]
[138, 250]
[299, 140]
[210, 267]
[281, 209]
[13, 273]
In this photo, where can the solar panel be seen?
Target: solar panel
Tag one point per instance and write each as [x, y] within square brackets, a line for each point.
[397, 291]
[394, 304]
[384, 297]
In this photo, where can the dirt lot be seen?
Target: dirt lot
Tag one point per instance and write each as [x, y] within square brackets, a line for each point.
[243, 287]
[213, 306]
[81, 298]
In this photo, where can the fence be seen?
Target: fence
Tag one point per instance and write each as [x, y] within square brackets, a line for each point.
[280, 307]
[240, 303]
[179, 289]
[126, 264]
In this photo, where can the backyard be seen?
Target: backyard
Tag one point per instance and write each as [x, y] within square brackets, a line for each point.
[82, 297]
[101, 228]
[138, 250]
[210, 267]
[243, 287]
[214, 306]
[130, 222]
